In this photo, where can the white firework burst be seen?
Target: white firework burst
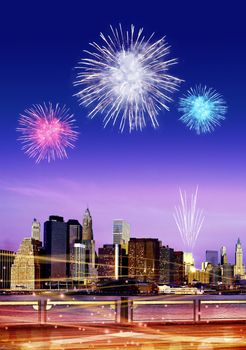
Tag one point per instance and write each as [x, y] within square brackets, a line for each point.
[189, 218]
[126, 78]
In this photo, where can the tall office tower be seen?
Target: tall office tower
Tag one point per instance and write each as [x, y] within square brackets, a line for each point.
[214, 273]
[223, 256]
[6, 261]
[56, 251]
[111, 260]
[74, 236]
[121, 233]
[25, 271]
[143, 259]
[166, 259]
[78, 264]
[36, 229]
[212, 257]
[239, 266]
[227, 272]
[189, 263]
[178, 269]
[88, 241]
[87, 234]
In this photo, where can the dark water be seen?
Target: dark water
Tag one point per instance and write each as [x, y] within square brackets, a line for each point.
[163, 309]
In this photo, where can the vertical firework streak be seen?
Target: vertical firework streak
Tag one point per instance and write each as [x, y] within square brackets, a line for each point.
[189, 218]
[47, 131]
[126, 78]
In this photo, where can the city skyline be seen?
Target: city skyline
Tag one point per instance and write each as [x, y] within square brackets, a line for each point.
[135, 176]
[38, 229]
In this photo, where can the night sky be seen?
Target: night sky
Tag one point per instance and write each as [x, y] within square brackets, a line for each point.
[131, 176]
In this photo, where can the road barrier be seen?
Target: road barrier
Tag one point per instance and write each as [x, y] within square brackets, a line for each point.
[122, 310]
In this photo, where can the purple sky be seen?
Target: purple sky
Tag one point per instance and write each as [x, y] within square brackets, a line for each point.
[135, 177]
[149, 210]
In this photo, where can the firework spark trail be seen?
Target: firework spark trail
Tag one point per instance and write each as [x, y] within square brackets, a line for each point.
[47, 131]
[126, 78]
[189, 219]
[203, 109]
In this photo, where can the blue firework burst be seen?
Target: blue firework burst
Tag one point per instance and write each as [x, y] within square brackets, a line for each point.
[203, 109]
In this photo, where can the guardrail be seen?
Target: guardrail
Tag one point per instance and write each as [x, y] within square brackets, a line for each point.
[123, 310]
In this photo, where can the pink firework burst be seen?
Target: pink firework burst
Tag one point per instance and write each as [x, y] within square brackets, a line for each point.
[47, 131]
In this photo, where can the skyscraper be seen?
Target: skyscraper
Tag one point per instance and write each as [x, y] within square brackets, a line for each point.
[223, 256]
[35, 230]
[25, 271]
[227, 272]
[121, 233]
[87, 226]
[143, 259]
[88, 241]
[78, 264]
[212, 257]
[111, 260]
[74, 236]
[178, 268]
[6, 261]
[166, 260]
[239, 266]
[56, 250]
[189, 262]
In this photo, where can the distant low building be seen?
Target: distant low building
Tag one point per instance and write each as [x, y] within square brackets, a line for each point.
[198, 276]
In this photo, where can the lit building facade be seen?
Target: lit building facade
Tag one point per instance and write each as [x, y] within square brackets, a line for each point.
[25, 271]
[143, 259]
[6, 261]
[239, 270]
[111, 262]
[198, 276]
[189, 262]
[166, 260]
[78, 263]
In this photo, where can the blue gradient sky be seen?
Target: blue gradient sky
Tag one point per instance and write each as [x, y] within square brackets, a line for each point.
[136, 176]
